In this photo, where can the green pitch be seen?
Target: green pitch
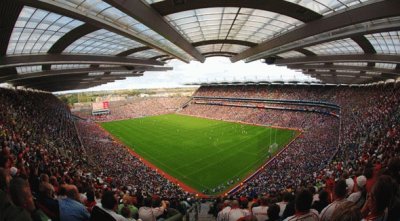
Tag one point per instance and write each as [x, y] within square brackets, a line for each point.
[208, 155]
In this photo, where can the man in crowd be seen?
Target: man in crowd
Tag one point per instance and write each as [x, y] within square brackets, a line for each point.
[340, 193]
[71, 209]
[304, 212]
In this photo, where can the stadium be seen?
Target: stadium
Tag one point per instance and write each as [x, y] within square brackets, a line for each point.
[225, 150]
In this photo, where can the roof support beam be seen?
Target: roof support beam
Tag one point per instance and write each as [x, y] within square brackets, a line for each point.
[222, 41]
[132, 51]
[158, 57]
[77, 78]
[281, 7]
[23, 60]
[78, 71]
[343, 67]
[375, 10]
[358, 74]
[64, 9]
[306, 52]
[152, 19]
[345, 80]
[219, 53]
[340, 58]
[69, 85]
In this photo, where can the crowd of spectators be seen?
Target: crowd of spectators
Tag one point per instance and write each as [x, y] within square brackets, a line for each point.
[46, 173]
[337, 169]
[344, 182]
[114, 162]
[305, 156]
[138, 107]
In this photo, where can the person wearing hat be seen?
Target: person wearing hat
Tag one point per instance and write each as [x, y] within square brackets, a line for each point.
[360, 196]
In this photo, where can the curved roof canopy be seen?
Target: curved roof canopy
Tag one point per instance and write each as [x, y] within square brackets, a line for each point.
[58, 45]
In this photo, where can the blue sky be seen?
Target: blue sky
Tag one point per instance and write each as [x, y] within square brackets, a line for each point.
[212, 70]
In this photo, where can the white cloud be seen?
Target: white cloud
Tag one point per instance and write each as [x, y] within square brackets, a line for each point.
[215, 69]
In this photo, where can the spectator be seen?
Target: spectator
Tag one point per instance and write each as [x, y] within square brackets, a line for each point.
[148, 213]
[359, 197]
[382, 194]
[303, 208]
[71, 209]
[261, 212]
[340, 192]
[347, 211]
[109, 203]
[323, 201]
[273, 213]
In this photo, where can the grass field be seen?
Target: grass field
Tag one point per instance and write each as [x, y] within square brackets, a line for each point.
[204, 154]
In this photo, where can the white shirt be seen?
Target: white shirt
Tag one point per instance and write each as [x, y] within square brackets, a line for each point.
[312, 215]
[354, 197]
[282, 207]
[326, 213]
[260, 212]
[116, 216]
[150, 214]
[223, 214]
[236, 213]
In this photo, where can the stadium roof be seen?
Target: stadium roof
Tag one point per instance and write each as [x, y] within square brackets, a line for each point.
[59, 45]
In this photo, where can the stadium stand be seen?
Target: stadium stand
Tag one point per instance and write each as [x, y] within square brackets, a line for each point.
[344, 166]
[46, 165]
[138, 107]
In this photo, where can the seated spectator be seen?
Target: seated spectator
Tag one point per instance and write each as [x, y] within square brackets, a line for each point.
[359, 197]
[109, 204]
[347, 211]
[126, 213]
[323, 201]
[223, 213]
[47, 203]
[261, 212]
[90, 201]
[148, 213]
[303, 208]
[8, 211]
[71, 209]
[273, 213]
[236, 212]
[339, 194]
[128, 202]
[21, 196]
[379, 199]
[285, 200]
